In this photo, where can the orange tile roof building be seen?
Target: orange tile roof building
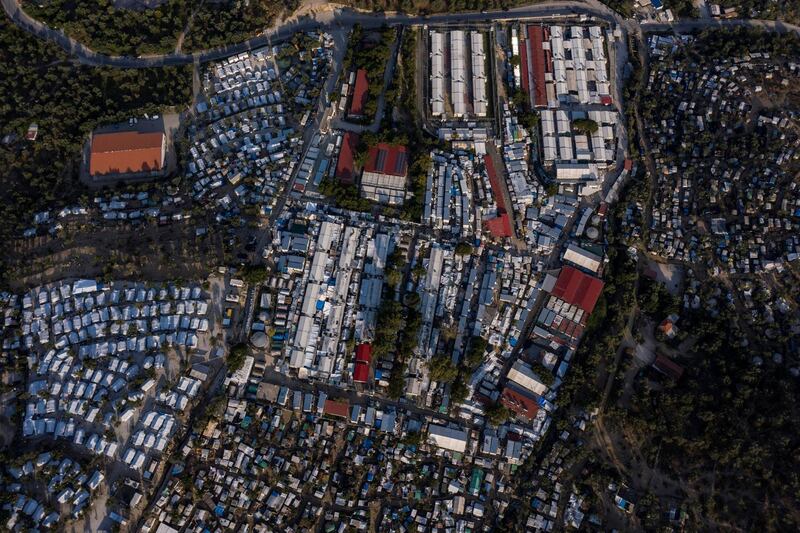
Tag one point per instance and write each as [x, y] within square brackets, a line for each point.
[127, 152]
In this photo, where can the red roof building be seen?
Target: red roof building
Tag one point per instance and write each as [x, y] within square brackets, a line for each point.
[363, 360]
[388, 159]
[577, 288]
[384, 176]
[494, 180]
[345, 172]
[539, 64]
[668, 367]
[500, 226]
[337, 408]
[126, 152]
[519, 402]
[360, 93]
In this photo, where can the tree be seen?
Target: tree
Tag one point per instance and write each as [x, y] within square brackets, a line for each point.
[397, 380]
[463, 248]
[393, 277]
[497, 414]
[474, 355]
[520, 100]
[255, 274]
[544, 374]
[236, 356]
[529, 119]
[585, 125]
[442, 369]
[458, 391]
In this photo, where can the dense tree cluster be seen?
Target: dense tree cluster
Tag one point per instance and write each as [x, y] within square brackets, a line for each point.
[396, 329]
[255, 274]
[345, 196]
[733, 42]
[497, 414]
[220, 23]
[372, 55]
[730, 416]
[463, 248]
[395, 265]
[788, 10]
[435, 6]
[528, 117]
[112, 30]
[108, 27]
[474, 355]
[39, 85]
[236, 357]
[442, 369]
[655, 300]
[419, 144]
[585, 125]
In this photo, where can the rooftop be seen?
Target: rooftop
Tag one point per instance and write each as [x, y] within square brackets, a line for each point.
[126, 152]
[388, 159]
[577, 288]
[344, 166]
[360, 93]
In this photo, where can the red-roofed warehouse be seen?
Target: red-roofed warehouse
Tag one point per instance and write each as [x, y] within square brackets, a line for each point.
[519, 402]
[384, 176]
[344, 166]
[363, 360]
[500, 226]
[360, 94]
[540, 64]
[577, 288]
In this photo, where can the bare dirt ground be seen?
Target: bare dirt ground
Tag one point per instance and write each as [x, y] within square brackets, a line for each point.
[669, 274]
[152, 252]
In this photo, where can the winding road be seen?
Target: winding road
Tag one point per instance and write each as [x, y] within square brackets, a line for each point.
[345, 17]
[328, 20]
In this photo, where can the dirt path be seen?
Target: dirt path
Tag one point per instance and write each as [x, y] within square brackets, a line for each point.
[187, 29]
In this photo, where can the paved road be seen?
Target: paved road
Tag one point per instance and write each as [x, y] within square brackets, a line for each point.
[360, 398]
[683, 26]
[341, 18]
[329, 21]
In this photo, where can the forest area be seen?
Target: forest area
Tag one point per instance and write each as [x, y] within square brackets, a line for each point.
[435, 6]
[728, 427]
[424, 7]
[788, 10]
[39, 85]
[725, 431]
[109, 29]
